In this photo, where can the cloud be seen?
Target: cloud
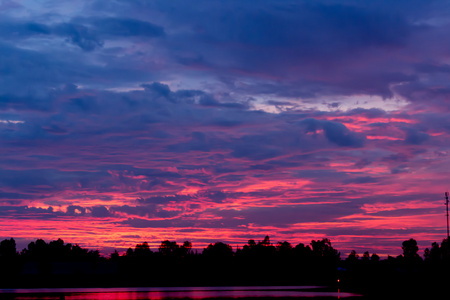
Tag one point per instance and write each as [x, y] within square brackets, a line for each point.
[144, 223]
[12, 29]
[362, 180]
[159, 90]
[165, 199]
[246, 40]
[282, 216]
[85, 33]
[208, 195]
[142, 211]
[100, 211]
[79, 35]
[182, 118]
[127, 27]
[25, 212]
[415, 137]
[335, 132]
[75, 210]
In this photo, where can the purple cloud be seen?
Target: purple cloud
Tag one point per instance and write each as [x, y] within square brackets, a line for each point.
[294, 119]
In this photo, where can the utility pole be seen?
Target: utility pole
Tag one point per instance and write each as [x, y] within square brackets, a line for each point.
[446, 204]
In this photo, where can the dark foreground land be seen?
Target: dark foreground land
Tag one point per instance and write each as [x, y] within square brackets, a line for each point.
[60, 265]
[386, 281]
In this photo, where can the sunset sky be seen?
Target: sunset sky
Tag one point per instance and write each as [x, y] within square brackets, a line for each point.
[130, 121]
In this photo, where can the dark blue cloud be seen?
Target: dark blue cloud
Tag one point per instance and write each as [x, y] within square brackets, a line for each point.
[88, 34]
[235, 42]
[284, 215]
[158, 90]
[415, 137]
[73, 210]
[369, 113]
[79, 35]
[142, 211]
[362, 180]
[165, 199]
[273, 216]
[273, 39]
[340, 135]
[400, 169]
[25, 212]
[11, 29]
[127, 27]
[208, 100]
[335, 132]
[100, 211]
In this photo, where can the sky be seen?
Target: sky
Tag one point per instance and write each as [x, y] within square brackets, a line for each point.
[130, 121]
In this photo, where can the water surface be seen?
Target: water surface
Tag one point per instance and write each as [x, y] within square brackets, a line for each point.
[159, 293]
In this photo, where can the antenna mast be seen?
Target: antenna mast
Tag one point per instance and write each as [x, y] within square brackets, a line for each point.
[446, 204]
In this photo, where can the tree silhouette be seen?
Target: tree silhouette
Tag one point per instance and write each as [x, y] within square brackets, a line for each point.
[323, 248]
[218, 250]
[445, 250]
[129, 253]
[114, 256]
[186, 248]
[366, 256]
[352, 257]
[302, 251]
[248, 249]
[168, 248]
[264, 248]
[433, 255]
[257, 263]
[60, 251]
[410, 249]
[8, 248]
[142, 250]
[265, 241]
[284, 248]
[374, 258]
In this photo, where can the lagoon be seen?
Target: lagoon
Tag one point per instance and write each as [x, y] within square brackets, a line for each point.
[159, 293]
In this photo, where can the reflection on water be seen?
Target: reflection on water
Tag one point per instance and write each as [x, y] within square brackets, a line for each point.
[170, 293]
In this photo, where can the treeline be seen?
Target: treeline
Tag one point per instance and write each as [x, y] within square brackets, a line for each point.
[258, 263]
[59, 264]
